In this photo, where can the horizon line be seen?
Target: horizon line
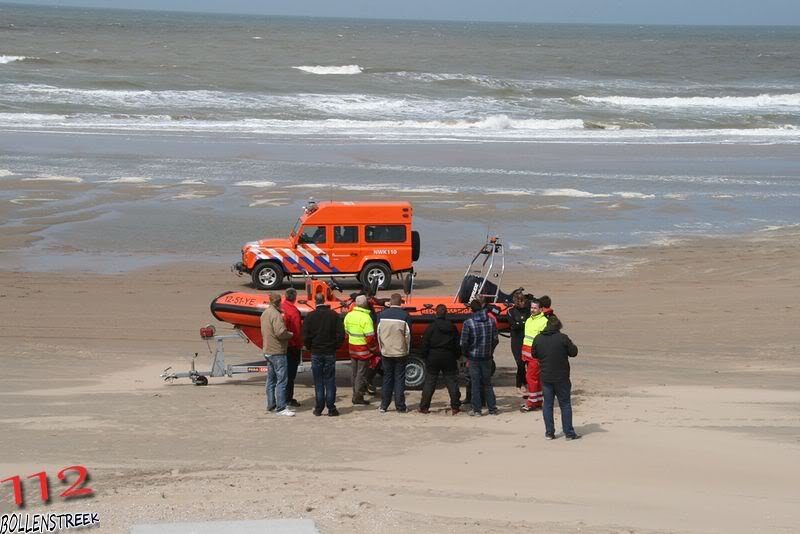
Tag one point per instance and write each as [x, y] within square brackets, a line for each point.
[396, 19]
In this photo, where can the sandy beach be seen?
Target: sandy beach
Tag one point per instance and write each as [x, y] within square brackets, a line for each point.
[685, 390]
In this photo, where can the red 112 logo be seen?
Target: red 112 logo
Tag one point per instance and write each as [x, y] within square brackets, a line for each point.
[77, 489]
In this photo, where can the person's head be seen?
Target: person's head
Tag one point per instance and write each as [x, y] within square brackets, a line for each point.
[362, 302]
[275, 299]
[476, 305]
[536, 306]
[395, 299]
[519, 299]
[544, 302]
[319, 298]
[554, 323]
[441, 311]
[291, 294]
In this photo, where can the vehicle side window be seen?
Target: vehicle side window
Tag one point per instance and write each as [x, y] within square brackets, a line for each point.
[386, 233]
[312, 234]
[345, 234]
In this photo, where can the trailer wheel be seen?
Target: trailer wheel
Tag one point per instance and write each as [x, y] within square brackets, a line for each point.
[415, 372]
[201, 381]
[376, 271]
[267, 275]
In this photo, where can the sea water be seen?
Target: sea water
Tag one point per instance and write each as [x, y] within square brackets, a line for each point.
[184, 135]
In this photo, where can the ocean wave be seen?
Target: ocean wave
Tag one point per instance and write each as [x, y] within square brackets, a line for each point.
[11, 59]
[5, 172]
[25, 200]
[492, 128]
[255, 183]
[54, 178]
[634, 194]
[321, 69]
[722, 102]
[219, 104]
[125, 180]
[574, 193]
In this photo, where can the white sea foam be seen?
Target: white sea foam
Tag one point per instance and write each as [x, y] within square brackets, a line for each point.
[633, 194]
[320, 69]
[11, 59]
[26, 200]
[255, 183]
[191, 195]
[575, 193]
[191, 182]
[54, 178]
[311, 186]
[398, 188]
[5, 172]
[509, 192]
[489, 128]
[269, 202]
[730, 102]
[125, 180]
[588, 251]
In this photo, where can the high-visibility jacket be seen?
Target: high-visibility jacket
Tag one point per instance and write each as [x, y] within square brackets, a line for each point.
[360, 332]
[533, 327]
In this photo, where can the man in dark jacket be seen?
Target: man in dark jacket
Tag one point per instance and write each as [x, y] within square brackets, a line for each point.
[517, 316]
[323, 332]
[478, 340]
[553, 349]
[441, 351]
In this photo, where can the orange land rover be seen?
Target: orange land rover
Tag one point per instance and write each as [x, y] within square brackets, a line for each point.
[368, 240]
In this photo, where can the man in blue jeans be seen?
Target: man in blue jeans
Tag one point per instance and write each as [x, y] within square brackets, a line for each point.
[478, 340]
[553, 349]
[275, 338]
[323, 332]
[394, 340]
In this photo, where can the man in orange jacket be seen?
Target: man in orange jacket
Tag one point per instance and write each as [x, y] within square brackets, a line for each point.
[540, 311]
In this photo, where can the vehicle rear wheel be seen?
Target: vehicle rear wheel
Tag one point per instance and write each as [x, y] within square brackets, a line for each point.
[267, 275]
[415, 372]
[376, 271]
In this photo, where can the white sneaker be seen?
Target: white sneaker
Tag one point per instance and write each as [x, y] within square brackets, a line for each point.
[286, 412]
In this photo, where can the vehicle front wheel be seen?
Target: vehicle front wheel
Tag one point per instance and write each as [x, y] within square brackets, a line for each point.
[267, 275]
[376, 271]
[415, 372]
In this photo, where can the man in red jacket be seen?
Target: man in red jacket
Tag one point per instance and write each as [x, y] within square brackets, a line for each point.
[291, 316]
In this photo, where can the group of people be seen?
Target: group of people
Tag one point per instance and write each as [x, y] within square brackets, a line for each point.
[540, 350]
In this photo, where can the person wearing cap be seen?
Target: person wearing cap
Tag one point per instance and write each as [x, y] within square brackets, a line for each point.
[275, 338]
[323, 333]
[394, 340]
[362, 344]
[292, 317]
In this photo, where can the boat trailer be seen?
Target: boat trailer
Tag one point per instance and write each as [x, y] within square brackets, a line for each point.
[218, 365]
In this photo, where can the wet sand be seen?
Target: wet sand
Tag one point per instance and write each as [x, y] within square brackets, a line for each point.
[685, 391]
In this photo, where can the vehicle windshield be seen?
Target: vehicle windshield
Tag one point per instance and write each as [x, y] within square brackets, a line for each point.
[296, 227]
